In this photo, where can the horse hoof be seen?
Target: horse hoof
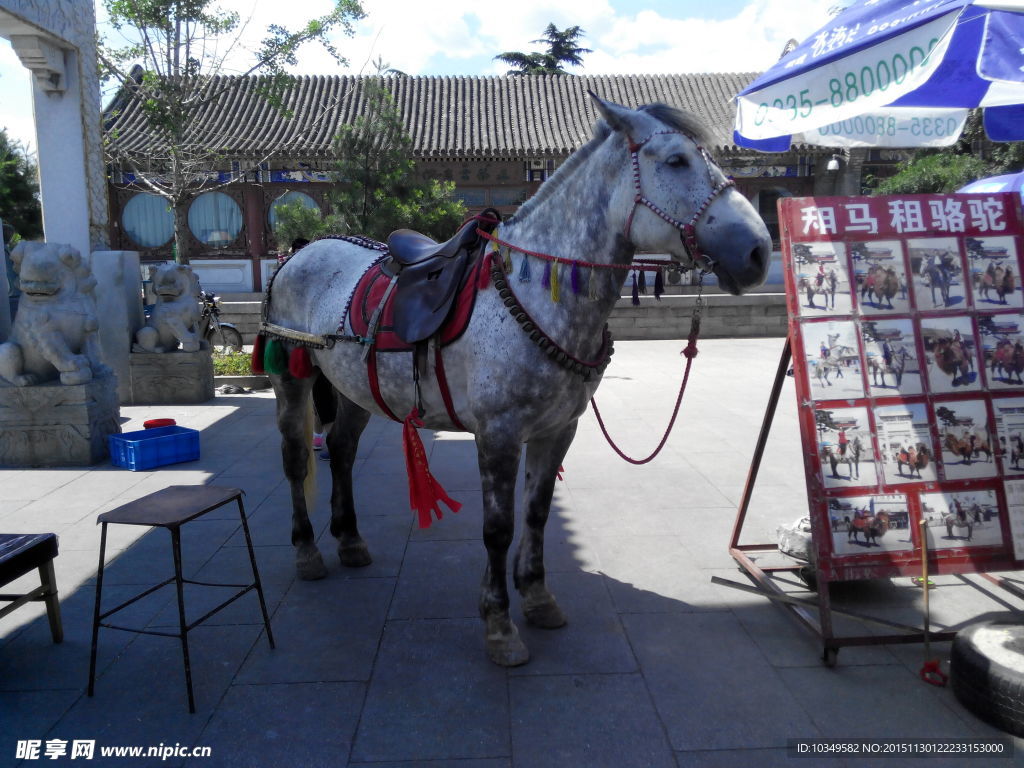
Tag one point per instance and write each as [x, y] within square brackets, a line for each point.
[310, 566]
[355, 555]
[541, 610]
[507, 650]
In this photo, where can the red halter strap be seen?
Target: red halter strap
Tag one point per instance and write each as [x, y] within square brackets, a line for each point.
[688, 230]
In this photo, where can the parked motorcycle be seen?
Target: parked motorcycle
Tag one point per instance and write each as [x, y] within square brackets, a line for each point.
[222, 337]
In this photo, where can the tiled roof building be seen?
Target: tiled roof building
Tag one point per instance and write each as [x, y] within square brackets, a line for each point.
[447, 117]
[496, 138]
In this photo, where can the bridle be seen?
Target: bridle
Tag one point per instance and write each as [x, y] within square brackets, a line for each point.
[688, 230]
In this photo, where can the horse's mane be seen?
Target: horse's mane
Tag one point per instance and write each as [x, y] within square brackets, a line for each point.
[685, 122]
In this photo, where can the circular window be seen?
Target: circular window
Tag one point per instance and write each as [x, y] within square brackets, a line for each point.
[215, 219]
[290, 198]
[147, 220]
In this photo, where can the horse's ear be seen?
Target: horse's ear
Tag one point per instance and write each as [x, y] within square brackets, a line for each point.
[617, 117]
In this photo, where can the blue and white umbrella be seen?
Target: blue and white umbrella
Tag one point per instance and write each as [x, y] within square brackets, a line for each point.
[897, 73]
[1008, 182]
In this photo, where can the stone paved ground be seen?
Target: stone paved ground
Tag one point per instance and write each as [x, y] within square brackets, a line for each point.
[384, 666]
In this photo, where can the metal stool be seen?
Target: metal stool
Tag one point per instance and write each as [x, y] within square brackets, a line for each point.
[19, 554]
[171, 508]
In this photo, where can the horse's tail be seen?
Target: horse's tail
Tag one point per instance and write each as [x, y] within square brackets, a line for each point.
[309, 483]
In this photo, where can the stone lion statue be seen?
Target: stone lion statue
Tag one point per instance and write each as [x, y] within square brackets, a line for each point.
[55, 331]
[176, 313]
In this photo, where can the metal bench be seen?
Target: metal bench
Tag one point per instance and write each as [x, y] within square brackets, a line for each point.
[19, 554]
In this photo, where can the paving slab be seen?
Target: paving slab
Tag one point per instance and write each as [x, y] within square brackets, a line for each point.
[385, 665]
[593, 720]
[434, 685]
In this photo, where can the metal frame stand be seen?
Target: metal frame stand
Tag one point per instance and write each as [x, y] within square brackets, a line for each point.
[803, 611]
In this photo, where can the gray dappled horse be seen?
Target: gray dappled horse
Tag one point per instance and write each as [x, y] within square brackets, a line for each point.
[633, 187]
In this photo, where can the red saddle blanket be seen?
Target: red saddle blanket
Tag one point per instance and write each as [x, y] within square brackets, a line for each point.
[370, 291]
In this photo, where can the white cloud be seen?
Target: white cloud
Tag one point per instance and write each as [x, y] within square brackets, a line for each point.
[463, 36]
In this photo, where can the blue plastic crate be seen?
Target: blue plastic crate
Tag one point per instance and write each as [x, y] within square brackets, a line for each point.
[150, 448]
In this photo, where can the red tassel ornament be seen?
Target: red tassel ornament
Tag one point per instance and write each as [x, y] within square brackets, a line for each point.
[299, 364]
[256, 361]
[425, 493]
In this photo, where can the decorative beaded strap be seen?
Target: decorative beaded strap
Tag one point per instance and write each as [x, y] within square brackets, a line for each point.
[688, 229]
[582, 368]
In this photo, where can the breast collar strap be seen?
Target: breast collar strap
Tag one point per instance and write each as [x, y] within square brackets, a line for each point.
[688, 230]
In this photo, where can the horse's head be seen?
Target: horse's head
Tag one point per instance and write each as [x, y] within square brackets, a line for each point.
[677, 200]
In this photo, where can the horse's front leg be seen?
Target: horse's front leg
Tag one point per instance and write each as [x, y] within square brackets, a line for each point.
[543, 457]
[498, 453]
[295, 422]
[342, 443]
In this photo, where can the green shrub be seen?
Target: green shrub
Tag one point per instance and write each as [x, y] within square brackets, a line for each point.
[235, 364]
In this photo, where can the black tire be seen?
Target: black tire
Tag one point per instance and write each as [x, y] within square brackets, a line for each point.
[987, 671]
[225, 340]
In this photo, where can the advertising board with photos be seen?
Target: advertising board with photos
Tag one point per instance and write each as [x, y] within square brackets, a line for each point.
[906, 324]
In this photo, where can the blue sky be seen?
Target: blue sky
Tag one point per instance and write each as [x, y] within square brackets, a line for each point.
[460, 37]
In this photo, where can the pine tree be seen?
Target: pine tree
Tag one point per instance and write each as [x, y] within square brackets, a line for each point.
[561, 49]
[19, 190]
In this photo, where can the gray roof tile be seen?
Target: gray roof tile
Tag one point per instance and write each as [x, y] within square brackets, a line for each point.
[447, 117]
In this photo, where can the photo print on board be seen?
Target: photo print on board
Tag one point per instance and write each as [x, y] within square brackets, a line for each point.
[904, 438]
[844, 447]
[937, 274]
[891, 352]
[833, 360]
[962, 519]
[879, 276]
[1002, 347]
[994, 272]
[1009, 413]
[965, 439]
[950, 355]
[822, 282]
[867, 524]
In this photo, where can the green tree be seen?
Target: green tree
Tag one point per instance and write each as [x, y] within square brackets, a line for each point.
[19, 190]
[171, 69]
[562, 49]
[378, 190]
[945, 170]
[295, 220]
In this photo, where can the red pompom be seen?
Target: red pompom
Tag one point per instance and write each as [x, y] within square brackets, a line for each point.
[299, 364]
[256, 362]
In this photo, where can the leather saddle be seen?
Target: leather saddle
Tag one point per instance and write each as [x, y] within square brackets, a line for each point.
[429, 277]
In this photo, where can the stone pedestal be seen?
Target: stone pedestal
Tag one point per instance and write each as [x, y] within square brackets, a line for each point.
[171, 378]
[54, 425]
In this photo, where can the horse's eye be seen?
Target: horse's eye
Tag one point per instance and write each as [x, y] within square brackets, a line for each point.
[677, 161]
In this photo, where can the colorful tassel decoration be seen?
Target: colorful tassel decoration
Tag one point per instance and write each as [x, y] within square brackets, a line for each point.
[299, 364]
[659, 283]
[258, 349]
[524, 270]
[275, 359]
[507, 261]
[546, 278]
[555, 293]
[642, 281]
[592, 285]
[425, 493]
[636, 292]
[574, 278]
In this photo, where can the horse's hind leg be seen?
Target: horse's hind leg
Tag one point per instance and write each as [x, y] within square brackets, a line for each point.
[342, 443]
[543, 457]
[293, 409]
[498, 454]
